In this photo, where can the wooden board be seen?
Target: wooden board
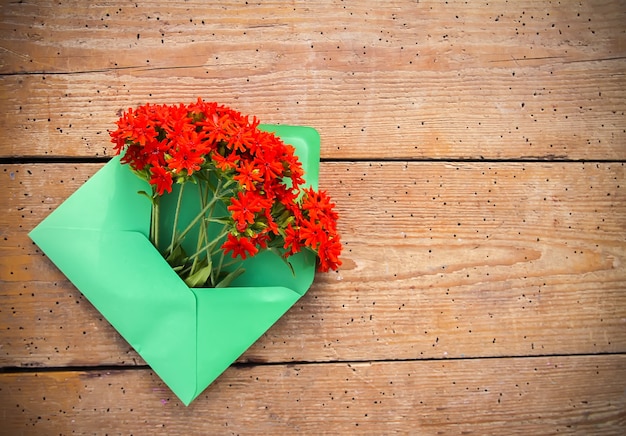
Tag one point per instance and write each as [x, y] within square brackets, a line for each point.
[476, 153]
[441, 260]
[403, 80]
[548, 395]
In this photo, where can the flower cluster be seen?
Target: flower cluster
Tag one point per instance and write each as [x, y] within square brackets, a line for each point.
[259, 181]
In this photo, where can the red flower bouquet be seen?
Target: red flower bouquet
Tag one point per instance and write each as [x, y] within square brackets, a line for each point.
[247, 183]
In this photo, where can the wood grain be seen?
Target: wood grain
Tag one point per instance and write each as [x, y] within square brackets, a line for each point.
[548, 395]
[440, 260]
[72, 37]
[403, 80]
[476, 153]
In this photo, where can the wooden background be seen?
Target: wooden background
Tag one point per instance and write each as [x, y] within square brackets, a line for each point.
[476, 154]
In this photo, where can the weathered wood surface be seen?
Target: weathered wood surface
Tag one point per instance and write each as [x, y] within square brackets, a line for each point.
[547, 395]
[483, 297]
[441, 260]
[404, 79]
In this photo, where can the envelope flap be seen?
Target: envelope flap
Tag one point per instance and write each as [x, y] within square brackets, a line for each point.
[107, 201]
[230, 320]
[129, 283]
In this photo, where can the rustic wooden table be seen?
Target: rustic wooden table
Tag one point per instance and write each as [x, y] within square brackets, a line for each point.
[476, 154]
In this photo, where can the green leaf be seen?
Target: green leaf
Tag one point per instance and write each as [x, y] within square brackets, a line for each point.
[148, 196]
[177, 257]
[199, 278]
[229, 278]
[223, 221]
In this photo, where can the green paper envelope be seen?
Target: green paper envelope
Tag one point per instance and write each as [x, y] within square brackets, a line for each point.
[99, 239]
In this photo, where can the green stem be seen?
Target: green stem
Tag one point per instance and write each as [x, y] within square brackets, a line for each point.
[152, 225]
[155, 223]
[221, 191]
[195, 220]
[202, 230]
[231, 262]
[208, 246]
[218, 270]
[178, 202]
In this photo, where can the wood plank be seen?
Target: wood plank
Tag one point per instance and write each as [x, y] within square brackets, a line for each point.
[441, 260]
[422, 115]
[71, 36]
[475, 297]
[570, 395]
[435, 81]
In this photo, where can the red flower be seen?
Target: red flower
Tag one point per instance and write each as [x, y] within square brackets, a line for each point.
[248, 175]
[188, 153]
[241, 133]
[243, 209]
[214, 126]
[176, 121]
[260, 240]
[268, 163]
[328, 254]
[135, 157]
[312, 234]
[225, 163]
[154, 153]
[239, 246]
[319, 207]
[271, 223]
[161, 179]
[141, 130]
[292, 240]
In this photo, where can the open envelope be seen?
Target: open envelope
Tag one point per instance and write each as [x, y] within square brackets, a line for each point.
[99, 239]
